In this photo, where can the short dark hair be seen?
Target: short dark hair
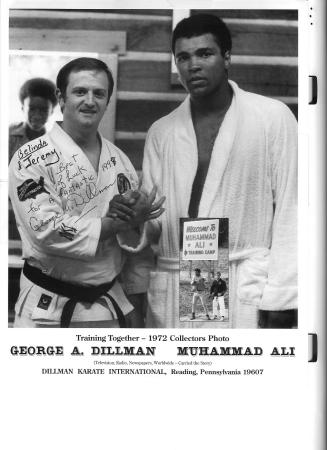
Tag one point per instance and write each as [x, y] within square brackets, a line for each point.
[38, 87]
[197, 270]
[79, 64]
[199, 24]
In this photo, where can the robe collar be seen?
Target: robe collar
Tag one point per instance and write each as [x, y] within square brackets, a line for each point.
[188, 153]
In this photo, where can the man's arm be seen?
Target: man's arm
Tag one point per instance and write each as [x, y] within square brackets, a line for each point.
[136, 214]
[212, 287]
[110, 227]
[136, 208]
[43, 220]
[141, 263]
[224, 287]
[280, 292]
[152, 176]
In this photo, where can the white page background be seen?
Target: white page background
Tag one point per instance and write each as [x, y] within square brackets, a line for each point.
[282, 409]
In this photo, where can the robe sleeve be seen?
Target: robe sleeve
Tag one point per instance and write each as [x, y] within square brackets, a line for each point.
[140, 260]
[42, 219]
[280, 292]
[151, 177]
[135, 274]
[151, 172]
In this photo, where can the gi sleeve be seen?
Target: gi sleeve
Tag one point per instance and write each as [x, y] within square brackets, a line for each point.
[42, 218]
[280, 292]
[132, 241]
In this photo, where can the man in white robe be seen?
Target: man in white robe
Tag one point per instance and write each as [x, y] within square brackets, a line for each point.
[228, 153]
[63, 188]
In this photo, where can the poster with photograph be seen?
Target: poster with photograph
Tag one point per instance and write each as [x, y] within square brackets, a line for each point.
[204, 270]
[161, 251]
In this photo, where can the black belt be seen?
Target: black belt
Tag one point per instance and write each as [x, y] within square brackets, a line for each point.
[75, 293]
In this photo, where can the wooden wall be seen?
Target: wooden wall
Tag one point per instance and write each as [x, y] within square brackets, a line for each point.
[264, 58]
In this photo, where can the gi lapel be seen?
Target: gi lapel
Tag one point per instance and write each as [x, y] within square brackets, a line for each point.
[80, 178]
[70, 150]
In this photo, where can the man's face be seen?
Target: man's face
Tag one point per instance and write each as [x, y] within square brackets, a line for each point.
[197, 273]
[85, 100]
[201, 67]
[218, 275]
[36, 111]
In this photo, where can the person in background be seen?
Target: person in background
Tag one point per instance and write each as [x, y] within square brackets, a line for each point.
[38, 100]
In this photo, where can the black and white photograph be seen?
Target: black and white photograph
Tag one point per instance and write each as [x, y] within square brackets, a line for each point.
[203, 293]
[202, 124]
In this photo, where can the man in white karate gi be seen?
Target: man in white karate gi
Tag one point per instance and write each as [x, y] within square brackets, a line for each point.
[225, 152]
[65, 188]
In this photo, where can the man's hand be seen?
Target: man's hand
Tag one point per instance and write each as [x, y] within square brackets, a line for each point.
[110, 227]
[120, 206]
[145, 209]
[136, 207]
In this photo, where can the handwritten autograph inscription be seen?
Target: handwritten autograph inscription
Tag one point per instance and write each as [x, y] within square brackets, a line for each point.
[39, 224]
[74, 183]
[75, 200]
